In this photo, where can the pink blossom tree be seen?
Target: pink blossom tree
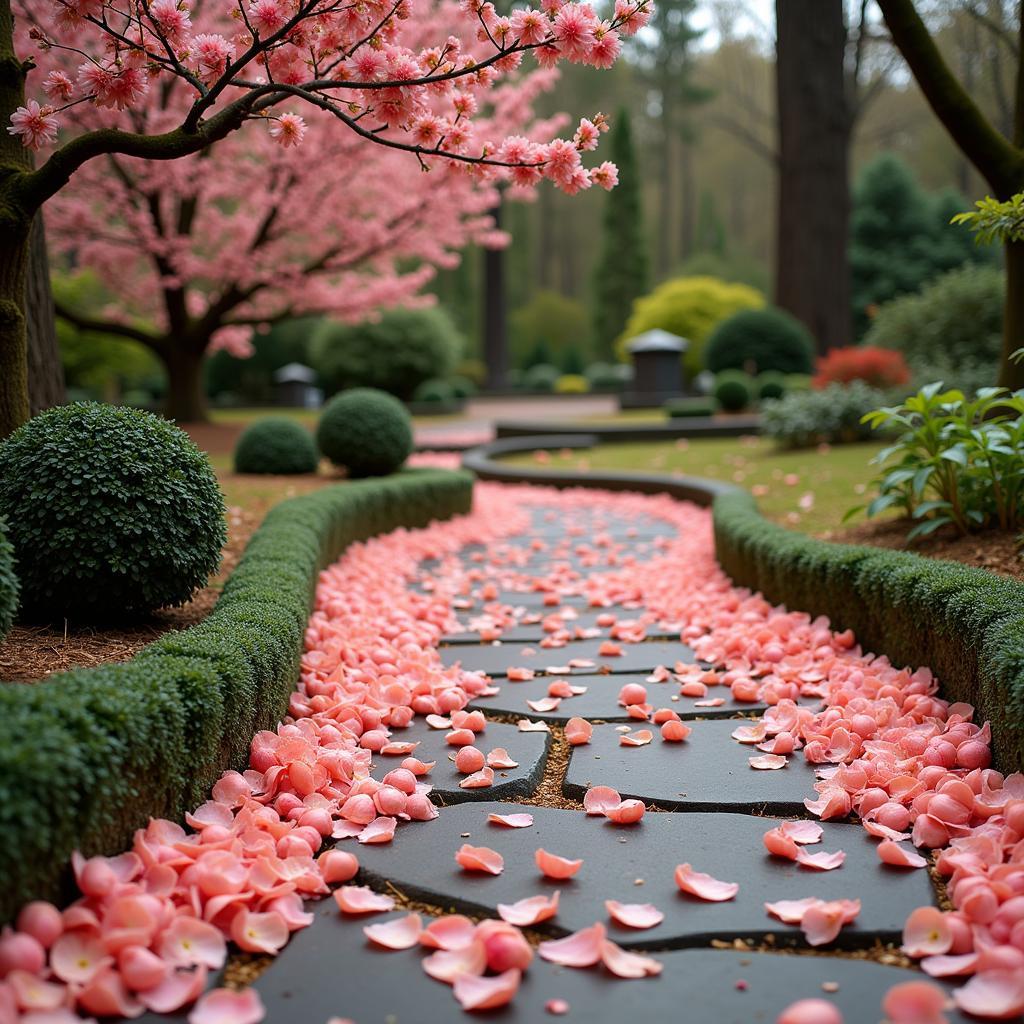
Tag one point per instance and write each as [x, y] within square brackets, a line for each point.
[280, 62]
[202, 251]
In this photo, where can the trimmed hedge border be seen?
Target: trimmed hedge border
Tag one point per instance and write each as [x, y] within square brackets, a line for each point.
[966, 624]
[87, 756]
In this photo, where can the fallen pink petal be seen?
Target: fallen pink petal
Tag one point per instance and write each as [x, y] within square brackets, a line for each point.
[703, 886]
[634, 915]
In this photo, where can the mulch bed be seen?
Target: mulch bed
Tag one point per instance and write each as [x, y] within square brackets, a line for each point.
[998, 551]
[33, 651]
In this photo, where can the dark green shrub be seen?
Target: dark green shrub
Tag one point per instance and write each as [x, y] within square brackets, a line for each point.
[683, 408]
[541, 377]
[275, 445]
[369, 432]
[798, 382]
[604, 377]
[122, 743]
[396, 353]
[733, 390]
[112, 512]
[760, 340]
[8, 583]
[804, 418]
[952, 326]
[462, 387]
[771, 384]
[434, 392]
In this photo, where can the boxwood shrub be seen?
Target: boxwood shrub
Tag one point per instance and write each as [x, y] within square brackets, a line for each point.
[966, 624]
[276, 444]
[691, 406]
[87, 756]
[8, 583]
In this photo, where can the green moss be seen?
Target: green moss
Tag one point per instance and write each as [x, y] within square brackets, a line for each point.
[88, 756]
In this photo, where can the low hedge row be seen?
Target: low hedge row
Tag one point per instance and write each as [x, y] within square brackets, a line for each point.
[8, 583]
[964, 623]
[88, 756]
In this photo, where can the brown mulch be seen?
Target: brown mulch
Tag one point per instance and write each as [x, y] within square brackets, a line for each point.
[33, 651]
[998, 551]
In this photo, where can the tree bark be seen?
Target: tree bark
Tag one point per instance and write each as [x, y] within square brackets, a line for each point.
[495, 319]
[1011, 373]
[186, 396]
[45, 371]
[812, 277]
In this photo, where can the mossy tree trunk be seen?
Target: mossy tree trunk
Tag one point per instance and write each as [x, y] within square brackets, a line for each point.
[15, 238]
[45, 370]
[186, 395]
[1000, 160]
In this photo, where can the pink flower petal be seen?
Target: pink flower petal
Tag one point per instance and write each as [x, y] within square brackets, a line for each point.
[224, 1006]
[178, 989]
[820, 861]
[401, 933]
[629, 812]
[578, 731]
[634, 915]
[703, 886]
[447, 965]
[823, 920]
[915, 1002]
[810, 1011]
[544, 704]
[996, 995]
[438, 722]
[499, 758]
[598, 799]
[628, 965]
[553, 866]
[187, 941]
[636, 739]
[482, 779]
[525, 725]
[479, 858]
[791, 911]
[511, 820]
[259, 933]
[453, 931]
[531, 910]
[380, 830]
[581, 949]
[927, 932]
[768, 762]
[899, 856]
[806, 833]
[946, 966]
[476, 993]
[360, 899]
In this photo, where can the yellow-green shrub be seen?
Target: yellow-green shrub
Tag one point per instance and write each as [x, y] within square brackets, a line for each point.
[572, 384]
[690, 307]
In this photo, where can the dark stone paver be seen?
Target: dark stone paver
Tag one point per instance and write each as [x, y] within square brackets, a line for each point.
[530, 749]
[421, 862]
[601, 702]
[494, 659]
[532, 632]
[331, 969]
[709, 771]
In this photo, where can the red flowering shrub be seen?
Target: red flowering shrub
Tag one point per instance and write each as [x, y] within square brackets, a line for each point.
[879, 367]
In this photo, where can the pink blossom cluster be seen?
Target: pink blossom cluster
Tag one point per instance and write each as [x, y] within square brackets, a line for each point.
[417, 89]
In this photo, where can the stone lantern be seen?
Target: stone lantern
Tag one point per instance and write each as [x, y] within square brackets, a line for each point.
[657, 368]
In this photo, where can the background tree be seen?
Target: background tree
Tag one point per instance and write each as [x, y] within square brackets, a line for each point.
[235, 65]
[997, 156]
[622, 273]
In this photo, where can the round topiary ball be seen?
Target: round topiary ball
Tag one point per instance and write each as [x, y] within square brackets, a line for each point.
[369, 432]
[8, 583]
[733, 390]
[434, 392]
[760, 340]
[113, 512]
[771, 384]
[275, 445]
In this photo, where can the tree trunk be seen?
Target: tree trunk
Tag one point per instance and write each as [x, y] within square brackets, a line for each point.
[495, 321]
[45, 371]
[811, 267]
[186, 396]
[1011, 374]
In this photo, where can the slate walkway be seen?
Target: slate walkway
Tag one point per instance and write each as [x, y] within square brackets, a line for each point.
[715, 811]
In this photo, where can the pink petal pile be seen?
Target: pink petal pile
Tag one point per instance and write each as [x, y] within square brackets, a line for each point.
[152, 922]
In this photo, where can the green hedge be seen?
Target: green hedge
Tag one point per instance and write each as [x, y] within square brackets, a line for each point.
[965, 624]
[8, 583]
[87, 756]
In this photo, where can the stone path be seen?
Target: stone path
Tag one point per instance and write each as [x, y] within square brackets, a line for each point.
[537, 610]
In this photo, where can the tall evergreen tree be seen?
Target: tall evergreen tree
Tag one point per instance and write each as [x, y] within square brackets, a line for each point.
[622, 270]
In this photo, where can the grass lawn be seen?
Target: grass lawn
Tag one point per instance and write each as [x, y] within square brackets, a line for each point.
[808, 490]
[307, 417]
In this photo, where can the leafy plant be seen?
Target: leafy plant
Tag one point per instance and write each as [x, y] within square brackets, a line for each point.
[993, 220]
[734, 390]
[833, 414]
[8, 583]
[572, 384]
[685, 408]
[957, 461]
[112, 512]
[879, 367]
